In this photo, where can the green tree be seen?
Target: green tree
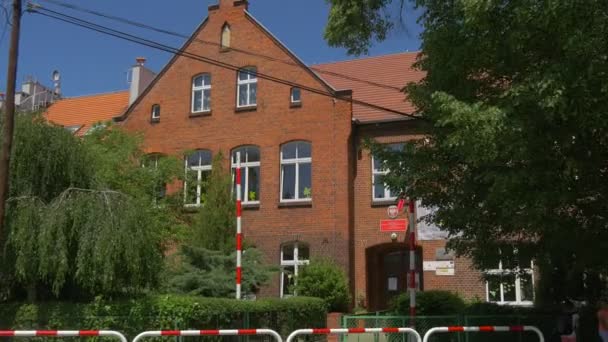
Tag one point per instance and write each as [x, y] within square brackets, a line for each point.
[323, 278]
[74, 229]
[214, 225]
[514, 103]
[206, 263]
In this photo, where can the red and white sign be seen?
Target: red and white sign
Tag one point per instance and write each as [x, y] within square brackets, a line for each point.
[399, 225]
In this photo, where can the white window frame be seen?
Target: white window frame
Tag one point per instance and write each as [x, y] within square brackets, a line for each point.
[252, 78]
[297, 161]
[381, 172]
[199, 173]
[245, 165]
[296, 263]
[291, 95]
[202, 89]
[155, 114]
[518, 290]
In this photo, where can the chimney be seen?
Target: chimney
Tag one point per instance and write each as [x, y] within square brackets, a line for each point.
[228, 4]
[140, 79]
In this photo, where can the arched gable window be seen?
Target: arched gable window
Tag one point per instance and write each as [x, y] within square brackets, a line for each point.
[294, 256]
[225, 40]
[198, 169]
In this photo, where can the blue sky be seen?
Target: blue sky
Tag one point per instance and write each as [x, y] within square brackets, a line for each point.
[90, 62]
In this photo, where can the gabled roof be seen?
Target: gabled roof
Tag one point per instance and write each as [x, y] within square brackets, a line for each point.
[80, 113]
[376, 80]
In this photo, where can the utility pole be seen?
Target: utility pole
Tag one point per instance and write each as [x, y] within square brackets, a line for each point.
[9, 110]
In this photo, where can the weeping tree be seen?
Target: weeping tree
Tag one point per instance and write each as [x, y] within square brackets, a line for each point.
[82, 219]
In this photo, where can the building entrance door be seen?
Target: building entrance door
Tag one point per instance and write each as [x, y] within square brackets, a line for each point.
[387, 269]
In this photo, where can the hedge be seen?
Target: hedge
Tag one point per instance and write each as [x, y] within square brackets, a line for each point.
[167, 312]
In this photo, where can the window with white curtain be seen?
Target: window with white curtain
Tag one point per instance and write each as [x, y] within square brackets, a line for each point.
[201, 93]
[247, 87]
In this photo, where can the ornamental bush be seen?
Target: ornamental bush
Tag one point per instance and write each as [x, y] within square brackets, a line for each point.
[430, 303]
[324, 279]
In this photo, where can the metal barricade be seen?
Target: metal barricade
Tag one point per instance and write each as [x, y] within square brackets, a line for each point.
[63, 333]
[226, 332]
[517, 328]
[326, 331]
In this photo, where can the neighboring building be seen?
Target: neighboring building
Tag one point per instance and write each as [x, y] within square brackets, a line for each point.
[310, 188]
[79, 114]
[33, 96]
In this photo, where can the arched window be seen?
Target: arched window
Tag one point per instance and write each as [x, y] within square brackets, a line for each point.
[155, 113]
[294, 256]
[250, 173]
[151, 162]
[296, 171]
[198, 169]
[201, 93]
[225, 41]
[247, 87]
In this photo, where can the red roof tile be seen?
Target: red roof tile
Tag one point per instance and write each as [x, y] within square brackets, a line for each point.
[376, 80]
[85, 111]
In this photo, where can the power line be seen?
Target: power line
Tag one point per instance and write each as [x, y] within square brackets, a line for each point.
[202, 41]
[156, 45]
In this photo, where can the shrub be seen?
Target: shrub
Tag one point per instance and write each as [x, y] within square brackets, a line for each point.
[167, 312]
[430, 303]
[325, 279]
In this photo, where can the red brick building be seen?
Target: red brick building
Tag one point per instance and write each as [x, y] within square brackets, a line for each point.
[310, 189]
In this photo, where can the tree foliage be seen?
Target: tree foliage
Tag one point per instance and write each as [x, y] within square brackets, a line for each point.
[206, 263]
[75, 227]
[514, 103]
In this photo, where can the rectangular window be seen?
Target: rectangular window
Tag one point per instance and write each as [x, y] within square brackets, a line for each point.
[511, 283]
[201, 93]
[294, 256]
[380, 191]
[247, 84]
[155, 112]
[296, 96]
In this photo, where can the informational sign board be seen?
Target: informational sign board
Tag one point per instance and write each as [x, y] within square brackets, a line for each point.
[441, 268]
[398, 225]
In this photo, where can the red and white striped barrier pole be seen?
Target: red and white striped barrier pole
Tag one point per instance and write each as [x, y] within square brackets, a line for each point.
[63, 333]
[326, 331]
[412, 248]
[517, 328]
[228, 332]
[239, 234]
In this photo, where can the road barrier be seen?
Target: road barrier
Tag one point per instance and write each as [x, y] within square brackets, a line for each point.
[517, 328]
[63, 333]
[227, 332]
[326, 331]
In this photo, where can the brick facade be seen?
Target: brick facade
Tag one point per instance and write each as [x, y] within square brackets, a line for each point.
[341, 222]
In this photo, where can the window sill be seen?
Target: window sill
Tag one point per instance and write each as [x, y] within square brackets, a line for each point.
[295, 104]
[154, 120]
[383, 202]
[250, 206]
[225, 49]
[199, 114]
[246, 109]
[296, 204]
